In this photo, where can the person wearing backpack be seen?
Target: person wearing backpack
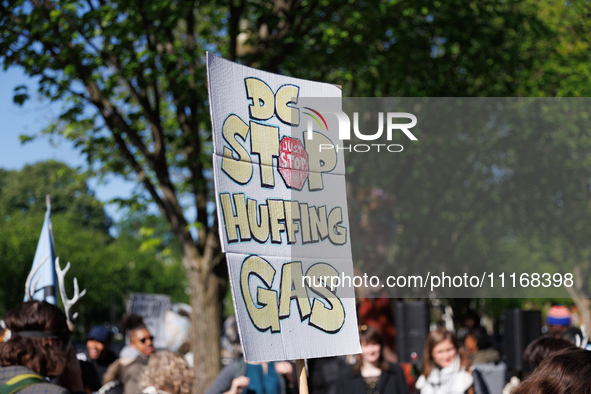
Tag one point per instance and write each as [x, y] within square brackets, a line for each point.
[38, 347]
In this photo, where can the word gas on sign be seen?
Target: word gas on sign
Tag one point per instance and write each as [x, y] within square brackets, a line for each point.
[271, 308]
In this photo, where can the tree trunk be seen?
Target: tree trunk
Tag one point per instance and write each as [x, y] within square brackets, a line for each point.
[580, 299]
[584, 307]
[207, 292]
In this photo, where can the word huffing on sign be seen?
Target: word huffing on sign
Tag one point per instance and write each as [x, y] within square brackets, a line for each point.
[246, 219]
[281, 202]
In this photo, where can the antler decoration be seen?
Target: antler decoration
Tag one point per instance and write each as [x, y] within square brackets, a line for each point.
[582, 342]
[30, 291]
[68, 303]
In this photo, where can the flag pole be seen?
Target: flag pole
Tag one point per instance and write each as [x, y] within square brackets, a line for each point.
[302, 378]
[48, 206]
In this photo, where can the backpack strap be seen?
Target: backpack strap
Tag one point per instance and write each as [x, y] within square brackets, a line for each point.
[19, 382]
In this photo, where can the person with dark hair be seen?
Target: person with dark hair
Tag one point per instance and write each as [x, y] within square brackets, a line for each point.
[38, 347]
[129, 324]
[445, 368]
[372, 374]
[567, 371]
[543, 347]
[127, 370]
[90, 378]
[141, 340]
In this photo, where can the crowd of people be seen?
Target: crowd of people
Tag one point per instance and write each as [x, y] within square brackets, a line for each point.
[37, 356]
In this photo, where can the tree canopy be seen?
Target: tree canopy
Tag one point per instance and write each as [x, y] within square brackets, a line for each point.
[109, 268]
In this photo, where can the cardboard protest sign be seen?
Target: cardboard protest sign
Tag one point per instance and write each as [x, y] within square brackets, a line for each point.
[282, 208]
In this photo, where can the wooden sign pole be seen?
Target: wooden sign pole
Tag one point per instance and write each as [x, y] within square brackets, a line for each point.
[302, 378]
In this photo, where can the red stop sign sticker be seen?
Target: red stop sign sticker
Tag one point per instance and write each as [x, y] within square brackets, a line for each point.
[293, 163]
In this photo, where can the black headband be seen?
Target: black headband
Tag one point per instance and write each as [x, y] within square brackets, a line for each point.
[36, 334]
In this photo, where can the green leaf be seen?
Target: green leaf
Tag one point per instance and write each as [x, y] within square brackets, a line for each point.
[23, 138]
[20, 95]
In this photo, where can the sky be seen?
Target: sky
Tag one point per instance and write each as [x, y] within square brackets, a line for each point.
[31, 118]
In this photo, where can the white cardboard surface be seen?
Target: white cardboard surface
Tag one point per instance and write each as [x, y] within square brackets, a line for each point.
[281, 204]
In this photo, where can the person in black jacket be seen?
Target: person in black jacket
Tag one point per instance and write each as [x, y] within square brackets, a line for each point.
[372, 374]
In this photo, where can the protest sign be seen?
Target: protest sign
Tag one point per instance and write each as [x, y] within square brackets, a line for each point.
[282, 212]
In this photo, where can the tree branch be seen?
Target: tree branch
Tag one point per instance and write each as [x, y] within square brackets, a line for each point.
[234, 28]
